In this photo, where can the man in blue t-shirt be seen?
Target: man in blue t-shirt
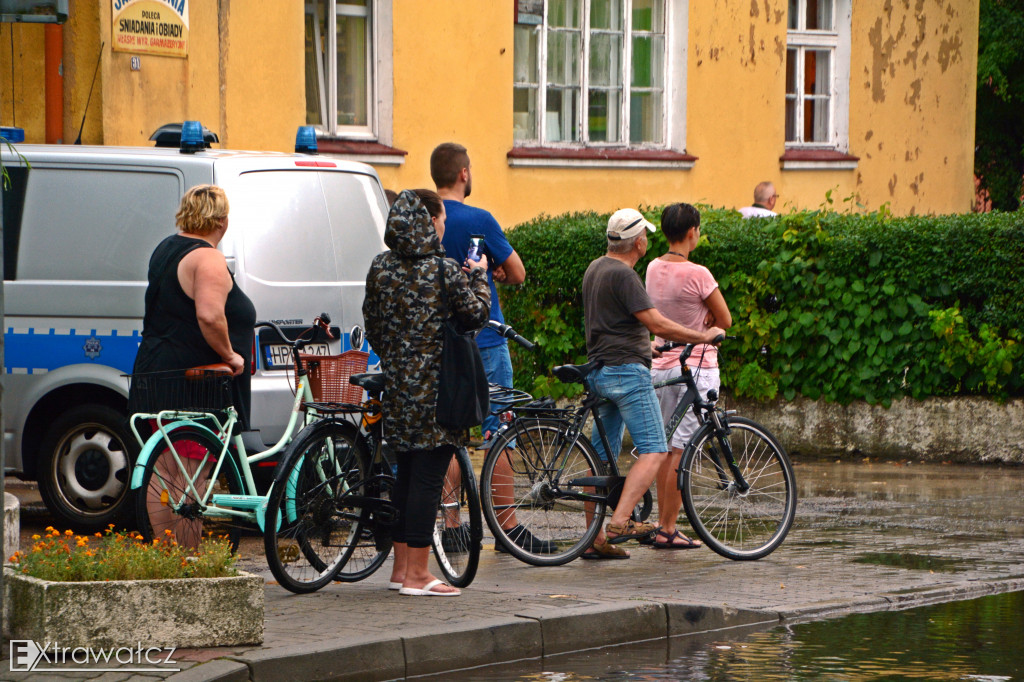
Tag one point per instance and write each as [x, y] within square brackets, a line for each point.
[451, 173]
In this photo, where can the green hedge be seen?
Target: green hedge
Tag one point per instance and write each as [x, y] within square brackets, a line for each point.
[871, 307]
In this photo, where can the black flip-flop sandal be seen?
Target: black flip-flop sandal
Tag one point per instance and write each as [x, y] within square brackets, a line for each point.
[671, 544]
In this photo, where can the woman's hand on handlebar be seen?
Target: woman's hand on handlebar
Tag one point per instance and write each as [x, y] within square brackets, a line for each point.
[715, 335]
[474, 264]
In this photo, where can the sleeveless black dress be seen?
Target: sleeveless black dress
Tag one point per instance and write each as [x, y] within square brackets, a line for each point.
[171, 337]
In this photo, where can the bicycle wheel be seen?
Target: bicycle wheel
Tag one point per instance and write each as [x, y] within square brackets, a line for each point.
[372, 544]
[174, 490]
[738, 525]
[529, 499]
[310, 533]
[456, 542]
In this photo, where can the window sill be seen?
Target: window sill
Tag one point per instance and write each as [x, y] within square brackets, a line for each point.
[373, 153]
[817, 159]
[599, 157]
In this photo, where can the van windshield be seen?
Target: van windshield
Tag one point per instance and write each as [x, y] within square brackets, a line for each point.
[307, 226]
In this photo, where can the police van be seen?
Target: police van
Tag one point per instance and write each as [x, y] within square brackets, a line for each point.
[79, 225]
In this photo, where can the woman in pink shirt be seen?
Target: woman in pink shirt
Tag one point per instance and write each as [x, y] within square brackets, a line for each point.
[684, 292]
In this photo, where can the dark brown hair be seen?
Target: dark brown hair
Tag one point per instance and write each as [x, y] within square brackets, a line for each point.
[431, 200]
[446, 162]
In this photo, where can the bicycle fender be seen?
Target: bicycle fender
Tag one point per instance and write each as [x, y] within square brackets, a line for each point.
[157, 440]
[289, 506]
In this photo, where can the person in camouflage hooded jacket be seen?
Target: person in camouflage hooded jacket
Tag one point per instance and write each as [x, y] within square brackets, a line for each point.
[404, 312]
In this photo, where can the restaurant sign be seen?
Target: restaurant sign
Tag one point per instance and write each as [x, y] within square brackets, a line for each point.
[158, 27]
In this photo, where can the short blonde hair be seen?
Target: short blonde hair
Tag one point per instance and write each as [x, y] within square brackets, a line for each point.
[202, 209]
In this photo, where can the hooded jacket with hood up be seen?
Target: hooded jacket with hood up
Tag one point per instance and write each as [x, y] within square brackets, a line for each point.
[404, 312]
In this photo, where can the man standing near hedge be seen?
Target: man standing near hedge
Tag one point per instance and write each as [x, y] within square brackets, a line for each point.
[765, 197]
[452, 175]
[619, 318]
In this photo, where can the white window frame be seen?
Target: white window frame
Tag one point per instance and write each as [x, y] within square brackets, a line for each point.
[673, 89]
[379, 75]
[837, 41]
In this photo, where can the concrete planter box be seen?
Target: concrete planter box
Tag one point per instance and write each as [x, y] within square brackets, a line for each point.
[186, 612]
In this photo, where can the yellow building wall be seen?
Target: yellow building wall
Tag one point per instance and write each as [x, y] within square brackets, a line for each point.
[911, 112]
[21, 88]
[264, 75]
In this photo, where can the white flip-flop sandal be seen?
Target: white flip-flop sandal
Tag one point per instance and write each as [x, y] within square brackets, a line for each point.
[427, 590]
[394, 585]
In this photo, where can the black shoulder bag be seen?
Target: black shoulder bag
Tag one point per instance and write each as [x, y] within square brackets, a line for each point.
[462, 392]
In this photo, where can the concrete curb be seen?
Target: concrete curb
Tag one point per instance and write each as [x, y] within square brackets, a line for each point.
[217, 670]
[534, 633]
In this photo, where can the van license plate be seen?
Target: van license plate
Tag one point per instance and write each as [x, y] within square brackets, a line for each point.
[279, 355]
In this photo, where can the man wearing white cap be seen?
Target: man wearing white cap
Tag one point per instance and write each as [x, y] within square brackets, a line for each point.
[619, 319]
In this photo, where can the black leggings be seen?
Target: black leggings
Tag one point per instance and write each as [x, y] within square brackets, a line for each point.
[417, 494]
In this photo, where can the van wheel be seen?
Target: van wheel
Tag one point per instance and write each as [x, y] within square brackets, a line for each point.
[85, 469]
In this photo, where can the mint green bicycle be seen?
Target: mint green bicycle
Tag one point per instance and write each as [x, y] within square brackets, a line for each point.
[194, 474]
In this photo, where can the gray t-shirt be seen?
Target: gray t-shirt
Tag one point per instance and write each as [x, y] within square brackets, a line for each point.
[612, 293]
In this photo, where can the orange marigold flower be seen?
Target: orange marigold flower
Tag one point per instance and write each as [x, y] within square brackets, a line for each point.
[69, 533]
[168, 532]
[99, 535]
[36, 536]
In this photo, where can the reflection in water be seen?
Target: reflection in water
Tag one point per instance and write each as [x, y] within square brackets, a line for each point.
[968, 640]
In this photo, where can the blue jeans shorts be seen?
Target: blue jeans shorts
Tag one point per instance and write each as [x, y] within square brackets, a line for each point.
[498, 367]
[633, 406]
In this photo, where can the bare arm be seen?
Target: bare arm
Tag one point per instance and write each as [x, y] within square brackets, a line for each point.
[512, 271]
[719, 315]
[661, 326]
[204, 277]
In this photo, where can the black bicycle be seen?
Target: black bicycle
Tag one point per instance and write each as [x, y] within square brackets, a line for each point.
[331, 500]
[737, 482]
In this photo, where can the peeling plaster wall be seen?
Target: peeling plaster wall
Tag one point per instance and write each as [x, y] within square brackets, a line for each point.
[970, 430]
[913, 103]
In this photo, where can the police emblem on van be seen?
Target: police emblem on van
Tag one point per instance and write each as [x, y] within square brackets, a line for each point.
[92, 348]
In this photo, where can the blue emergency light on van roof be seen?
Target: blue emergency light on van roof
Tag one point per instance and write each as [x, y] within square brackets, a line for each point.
[305, 140]
[192, 137]
[12, 135]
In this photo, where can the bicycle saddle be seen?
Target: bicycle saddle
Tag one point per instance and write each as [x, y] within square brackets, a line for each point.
[574, 374]
[371, 382]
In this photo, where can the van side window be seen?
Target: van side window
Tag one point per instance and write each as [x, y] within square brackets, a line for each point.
[105, 218]
[14, 203]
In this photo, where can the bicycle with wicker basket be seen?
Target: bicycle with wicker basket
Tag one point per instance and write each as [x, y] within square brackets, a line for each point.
[194, 474]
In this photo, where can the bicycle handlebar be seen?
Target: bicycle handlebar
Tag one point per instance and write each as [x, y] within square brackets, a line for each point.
[321, 321]
[676, 344]
[510, 333]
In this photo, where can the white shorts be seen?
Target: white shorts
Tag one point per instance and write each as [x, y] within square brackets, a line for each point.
[707, 378]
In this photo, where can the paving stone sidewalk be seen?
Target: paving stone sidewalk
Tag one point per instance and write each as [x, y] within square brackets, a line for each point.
[881, 536]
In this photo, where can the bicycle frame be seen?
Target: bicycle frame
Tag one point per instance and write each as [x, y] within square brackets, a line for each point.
[705, 411]
[248, 506]
[168, 421]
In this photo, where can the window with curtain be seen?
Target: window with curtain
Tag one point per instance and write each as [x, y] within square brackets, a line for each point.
[339, 66]
[590, 72]
[816, 92]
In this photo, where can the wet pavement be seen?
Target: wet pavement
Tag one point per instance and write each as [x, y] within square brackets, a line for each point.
[868, 536]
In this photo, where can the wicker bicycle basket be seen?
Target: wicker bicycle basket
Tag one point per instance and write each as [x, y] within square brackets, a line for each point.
[191, 390]
[329, 374]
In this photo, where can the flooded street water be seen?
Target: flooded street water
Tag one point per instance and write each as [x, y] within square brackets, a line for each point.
[896, 510]
[978, 639]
